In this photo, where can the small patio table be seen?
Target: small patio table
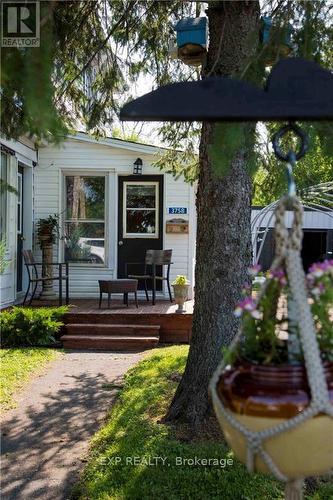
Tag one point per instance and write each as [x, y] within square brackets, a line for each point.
[124, 286]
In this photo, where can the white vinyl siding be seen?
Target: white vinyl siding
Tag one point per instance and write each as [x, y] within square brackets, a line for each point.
[90, 157]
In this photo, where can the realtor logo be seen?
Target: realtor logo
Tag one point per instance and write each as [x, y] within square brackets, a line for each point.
[20, 24]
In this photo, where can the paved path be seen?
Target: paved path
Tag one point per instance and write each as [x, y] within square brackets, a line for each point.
[45, 438]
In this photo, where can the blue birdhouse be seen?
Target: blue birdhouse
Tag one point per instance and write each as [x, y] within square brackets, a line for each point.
[278, 36]
[192, 40]
[192, 30]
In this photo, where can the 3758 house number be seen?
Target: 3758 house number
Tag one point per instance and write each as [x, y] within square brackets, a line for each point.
[177, 210]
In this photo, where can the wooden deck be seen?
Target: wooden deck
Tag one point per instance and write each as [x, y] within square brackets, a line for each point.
[173, 328]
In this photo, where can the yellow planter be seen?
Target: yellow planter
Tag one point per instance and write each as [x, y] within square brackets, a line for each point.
[304, 451]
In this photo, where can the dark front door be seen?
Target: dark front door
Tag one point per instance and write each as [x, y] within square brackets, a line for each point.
[140, 219]
[20, 237]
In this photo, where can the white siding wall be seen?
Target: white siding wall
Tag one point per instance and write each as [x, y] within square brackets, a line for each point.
[180, 194]
[25, 153]
[75, 155]
[8, 282]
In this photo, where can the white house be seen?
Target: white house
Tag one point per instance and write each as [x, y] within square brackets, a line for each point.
[109, 215]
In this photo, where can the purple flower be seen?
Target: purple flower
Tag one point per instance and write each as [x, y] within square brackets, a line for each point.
[255, 269]
[247, 305]
[278, 275]
[319, 268]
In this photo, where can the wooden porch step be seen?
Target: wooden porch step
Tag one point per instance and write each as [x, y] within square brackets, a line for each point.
[110, 342]
[93, 329]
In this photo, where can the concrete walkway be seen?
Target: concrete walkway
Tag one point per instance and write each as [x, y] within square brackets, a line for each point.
[45, 439]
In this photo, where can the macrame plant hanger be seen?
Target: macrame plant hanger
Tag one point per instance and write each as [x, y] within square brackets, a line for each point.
[287, 256]
[296, 89]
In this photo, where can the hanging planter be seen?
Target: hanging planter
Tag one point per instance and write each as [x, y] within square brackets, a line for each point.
[273, 394]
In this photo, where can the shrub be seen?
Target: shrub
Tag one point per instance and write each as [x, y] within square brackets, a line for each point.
[23, 326]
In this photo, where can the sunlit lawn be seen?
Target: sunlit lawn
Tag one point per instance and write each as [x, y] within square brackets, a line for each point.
[16, 368]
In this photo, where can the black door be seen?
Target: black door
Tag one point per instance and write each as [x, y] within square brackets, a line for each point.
[20, 237]
[140, 219]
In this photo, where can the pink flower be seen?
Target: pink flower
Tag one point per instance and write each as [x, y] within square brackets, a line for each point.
[247, 305]
[319, 268]
[278, 275]
[254, 270]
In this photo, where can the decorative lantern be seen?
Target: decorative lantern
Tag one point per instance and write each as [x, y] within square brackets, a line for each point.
[137, 167]
[277, 418]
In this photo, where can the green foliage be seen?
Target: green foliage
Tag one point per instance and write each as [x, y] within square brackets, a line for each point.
[4, 263]
[134, 429]
[262, 326]
[320, 279]
[180, 280]
[74, 250]
[270, 180]
[49, 226]
[17, 365]
[4, 186]
[229, 141]
[131, 136]
[86, 78]
[179, 163]
[22, 326]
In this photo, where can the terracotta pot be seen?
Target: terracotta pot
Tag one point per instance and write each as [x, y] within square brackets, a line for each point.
[263, 396]
[181, 294]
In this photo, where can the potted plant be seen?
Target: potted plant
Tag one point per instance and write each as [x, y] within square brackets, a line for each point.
[180, 289]
[264, 381]
[47, 233]
[48, 230]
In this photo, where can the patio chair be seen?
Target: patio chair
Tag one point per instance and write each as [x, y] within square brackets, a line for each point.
[35, 277]
[153, 258]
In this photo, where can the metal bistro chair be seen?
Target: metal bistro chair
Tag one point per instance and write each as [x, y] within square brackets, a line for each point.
[153, 258]
[35, 278]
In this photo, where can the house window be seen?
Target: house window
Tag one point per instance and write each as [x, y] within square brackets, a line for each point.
[4, 196]
[140, 217]
[85, 219]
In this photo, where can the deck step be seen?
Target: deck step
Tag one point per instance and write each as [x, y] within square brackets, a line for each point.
[93, 329]
[110, 342]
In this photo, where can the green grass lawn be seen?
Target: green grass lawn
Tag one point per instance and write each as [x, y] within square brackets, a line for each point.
[16, 367]
[132, 430]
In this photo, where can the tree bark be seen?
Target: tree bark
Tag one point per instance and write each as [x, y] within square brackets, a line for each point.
[224, 221]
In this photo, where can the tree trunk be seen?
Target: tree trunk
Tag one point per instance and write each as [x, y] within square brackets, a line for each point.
[224, 218]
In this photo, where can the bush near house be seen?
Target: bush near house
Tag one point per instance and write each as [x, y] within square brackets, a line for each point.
[23, 326]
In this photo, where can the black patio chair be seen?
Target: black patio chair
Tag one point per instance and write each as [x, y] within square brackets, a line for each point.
[35, 277]
[153, 258]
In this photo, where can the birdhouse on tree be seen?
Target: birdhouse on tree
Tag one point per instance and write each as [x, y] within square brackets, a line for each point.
[191, 40]
[278, 37]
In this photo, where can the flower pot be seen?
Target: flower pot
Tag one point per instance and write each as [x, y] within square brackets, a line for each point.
[45, 238]
[261, 397]
[181, 294]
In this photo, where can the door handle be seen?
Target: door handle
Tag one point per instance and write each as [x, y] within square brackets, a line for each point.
[120, 243]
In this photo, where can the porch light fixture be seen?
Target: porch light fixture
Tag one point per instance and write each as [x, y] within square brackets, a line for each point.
[137, 167]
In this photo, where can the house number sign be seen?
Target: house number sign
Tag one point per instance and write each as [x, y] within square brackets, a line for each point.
[177, 210]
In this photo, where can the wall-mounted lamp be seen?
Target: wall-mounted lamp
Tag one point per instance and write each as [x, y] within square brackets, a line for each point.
[137, 167]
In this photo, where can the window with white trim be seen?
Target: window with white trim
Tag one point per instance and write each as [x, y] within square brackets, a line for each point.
[85, 218]
[140, 209]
